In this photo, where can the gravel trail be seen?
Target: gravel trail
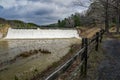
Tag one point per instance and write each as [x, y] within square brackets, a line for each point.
[109, 68]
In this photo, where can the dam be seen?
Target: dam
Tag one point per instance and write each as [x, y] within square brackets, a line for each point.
[41, 33]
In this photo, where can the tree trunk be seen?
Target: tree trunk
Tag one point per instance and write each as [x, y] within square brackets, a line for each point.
[117, 17]
[106, 17]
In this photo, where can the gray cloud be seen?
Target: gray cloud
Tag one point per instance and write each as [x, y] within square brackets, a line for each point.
[1, 8]
[43, 12]
[38, 11]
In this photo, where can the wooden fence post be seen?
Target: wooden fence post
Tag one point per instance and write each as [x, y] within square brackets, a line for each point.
[97, 41]
[86, 52]
[82, 56]
[101, 36]
[83, 42]
[82, 46]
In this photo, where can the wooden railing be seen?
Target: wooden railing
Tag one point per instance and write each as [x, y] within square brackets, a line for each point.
[86, 47]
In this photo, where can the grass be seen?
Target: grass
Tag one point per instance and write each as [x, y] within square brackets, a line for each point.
[94, 60]
[112, 36]
[90, 32]
[16, 78]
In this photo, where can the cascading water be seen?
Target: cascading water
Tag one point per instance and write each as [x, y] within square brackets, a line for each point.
[41, 33]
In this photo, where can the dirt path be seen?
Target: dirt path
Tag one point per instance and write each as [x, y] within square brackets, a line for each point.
[109, 68]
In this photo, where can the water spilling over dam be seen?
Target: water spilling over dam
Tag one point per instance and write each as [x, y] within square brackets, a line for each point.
[41, 33]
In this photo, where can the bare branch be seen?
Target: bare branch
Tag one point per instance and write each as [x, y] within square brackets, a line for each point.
[82, 3]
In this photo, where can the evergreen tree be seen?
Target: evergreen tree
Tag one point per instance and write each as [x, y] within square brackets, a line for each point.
[61, 23]
[76, 19]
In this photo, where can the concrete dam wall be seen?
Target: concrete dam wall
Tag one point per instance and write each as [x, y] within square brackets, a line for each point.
[40, 33]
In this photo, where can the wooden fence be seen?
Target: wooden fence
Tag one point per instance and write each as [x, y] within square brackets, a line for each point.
[86, 47]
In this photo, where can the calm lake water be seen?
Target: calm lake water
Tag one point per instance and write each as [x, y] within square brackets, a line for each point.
[25, 68]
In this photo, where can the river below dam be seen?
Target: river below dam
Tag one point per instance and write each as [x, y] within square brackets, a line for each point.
[15, 65]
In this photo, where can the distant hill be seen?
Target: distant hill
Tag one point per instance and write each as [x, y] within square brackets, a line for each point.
[17, 24]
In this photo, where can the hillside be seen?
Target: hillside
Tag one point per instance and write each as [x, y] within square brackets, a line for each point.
[18, 24]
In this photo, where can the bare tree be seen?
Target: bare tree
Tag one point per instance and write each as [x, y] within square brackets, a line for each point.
[95, 10]
[103, 10]
[117, 16]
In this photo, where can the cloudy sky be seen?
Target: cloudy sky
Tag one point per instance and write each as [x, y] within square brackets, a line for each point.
[38, 11]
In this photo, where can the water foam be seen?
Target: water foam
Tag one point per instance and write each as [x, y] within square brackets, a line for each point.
[41, 33]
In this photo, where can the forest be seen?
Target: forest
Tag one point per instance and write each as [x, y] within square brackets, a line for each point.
[103, 13]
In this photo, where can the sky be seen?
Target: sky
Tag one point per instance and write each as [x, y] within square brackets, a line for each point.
[41, 12]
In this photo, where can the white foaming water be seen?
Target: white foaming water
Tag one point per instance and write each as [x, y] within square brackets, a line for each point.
[41, 33]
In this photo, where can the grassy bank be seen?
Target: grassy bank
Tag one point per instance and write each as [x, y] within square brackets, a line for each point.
[95, 58]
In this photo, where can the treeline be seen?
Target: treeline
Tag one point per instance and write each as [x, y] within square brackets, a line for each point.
[77, 20]
[73, 21]
[100, 13]
[17, 24]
